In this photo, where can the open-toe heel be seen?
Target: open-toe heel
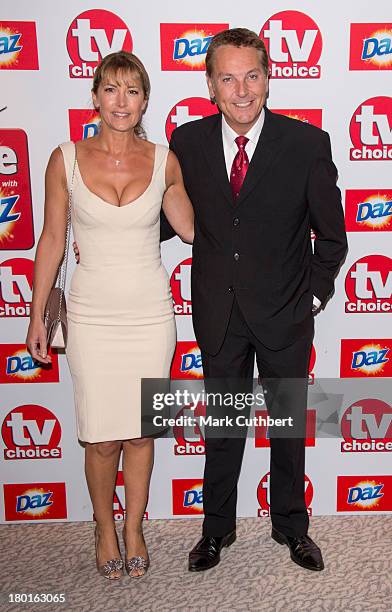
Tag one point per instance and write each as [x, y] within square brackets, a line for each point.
[110, 568]
[135, 563]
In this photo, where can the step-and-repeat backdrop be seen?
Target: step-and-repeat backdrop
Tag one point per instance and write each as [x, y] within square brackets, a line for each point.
[332, 69]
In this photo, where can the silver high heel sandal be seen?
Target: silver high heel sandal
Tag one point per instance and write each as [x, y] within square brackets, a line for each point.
[113, 565]
[135, 563]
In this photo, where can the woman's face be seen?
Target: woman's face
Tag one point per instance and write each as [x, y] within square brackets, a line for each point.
[121, 100]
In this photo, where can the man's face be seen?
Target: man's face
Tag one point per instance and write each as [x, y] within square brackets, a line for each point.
[239, 85]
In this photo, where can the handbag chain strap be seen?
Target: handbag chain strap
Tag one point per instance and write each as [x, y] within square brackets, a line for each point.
[62, 273]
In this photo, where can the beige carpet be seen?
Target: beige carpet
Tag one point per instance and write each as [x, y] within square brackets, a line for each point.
[254, 574]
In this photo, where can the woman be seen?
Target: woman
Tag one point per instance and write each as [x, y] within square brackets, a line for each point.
[121, 324]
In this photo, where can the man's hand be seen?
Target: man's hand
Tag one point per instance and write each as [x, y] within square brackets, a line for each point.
[76, 252]
[316, 305]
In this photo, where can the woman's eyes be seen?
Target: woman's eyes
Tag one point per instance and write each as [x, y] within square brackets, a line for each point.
[130, 91]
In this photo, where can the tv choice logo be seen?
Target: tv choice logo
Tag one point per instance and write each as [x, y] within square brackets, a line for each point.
[312, 363]
[364, 493]
[91, 36]
[294, 44]
[16, 279]
[365, 358]
[16, 214]
[18, 45]
[31, 432]
[262, 439]
[187, 496]
[187, 110]
[180, 282]
[18, 366]
[184, 45]
[263, 495]
[368, 210]
[190, 439]
[366, 426]
[371, 46]
[83, 123]
[36, 501]
[314, 116]
[369, 285]
[119, 509]
[187, 361]
[371, 130]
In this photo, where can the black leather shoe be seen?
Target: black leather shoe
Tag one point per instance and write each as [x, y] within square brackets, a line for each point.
[206, 553]
[302, 550]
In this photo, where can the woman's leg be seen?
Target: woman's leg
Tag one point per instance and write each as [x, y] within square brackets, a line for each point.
[101, 465]
[138, 456]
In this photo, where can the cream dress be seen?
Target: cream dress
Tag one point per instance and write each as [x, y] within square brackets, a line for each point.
[120, 311]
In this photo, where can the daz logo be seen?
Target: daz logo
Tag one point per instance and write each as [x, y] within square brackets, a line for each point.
[306, 115]
[364, 358]
[189, 437]
[18, 45]
[31, 432]
[364, 493]
[371, 46]
[91, 36]
[82, 123]
[187, 361]
[368, 210]
[16, 216]
[371, 130]
[184, 45]
[263, 495]
[180, 282]
[186, 110]
[16, 279]
[187, 496]
[18, 366]
[37, 501]
[369, 285]
[294, 45]
[367, 427]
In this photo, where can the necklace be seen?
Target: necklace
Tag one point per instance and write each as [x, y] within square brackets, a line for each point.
[117, 162]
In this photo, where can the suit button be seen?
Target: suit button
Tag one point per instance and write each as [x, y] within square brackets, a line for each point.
[236, 221]
[236, 256]
[230, 289]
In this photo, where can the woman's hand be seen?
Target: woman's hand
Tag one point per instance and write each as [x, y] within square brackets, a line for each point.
[36, 341]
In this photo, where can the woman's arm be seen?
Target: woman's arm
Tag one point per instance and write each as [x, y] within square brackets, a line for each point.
[50, 250]
[176, 204]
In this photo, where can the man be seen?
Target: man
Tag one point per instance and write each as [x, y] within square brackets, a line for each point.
[258, 182]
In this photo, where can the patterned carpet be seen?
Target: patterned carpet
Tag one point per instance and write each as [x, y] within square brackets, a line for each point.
[254, 574]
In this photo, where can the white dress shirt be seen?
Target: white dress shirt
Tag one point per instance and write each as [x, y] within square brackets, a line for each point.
[230, 150]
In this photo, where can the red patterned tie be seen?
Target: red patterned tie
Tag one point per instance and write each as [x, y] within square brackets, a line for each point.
[239, 167]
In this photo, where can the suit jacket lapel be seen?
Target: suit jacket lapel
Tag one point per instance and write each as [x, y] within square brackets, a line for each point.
[265, 151]
[212, 145]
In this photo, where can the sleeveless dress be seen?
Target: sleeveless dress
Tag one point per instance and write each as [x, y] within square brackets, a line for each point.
[121, 324]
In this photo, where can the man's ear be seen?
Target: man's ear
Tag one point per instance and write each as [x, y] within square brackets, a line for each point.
[210, 88]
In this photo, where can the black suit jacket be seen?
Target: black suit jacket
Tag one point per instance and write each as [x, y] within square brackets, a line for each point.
[259, 247]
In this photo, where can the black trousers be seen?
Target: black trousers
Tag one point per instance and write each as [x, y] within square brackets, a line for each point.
[235, 360]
